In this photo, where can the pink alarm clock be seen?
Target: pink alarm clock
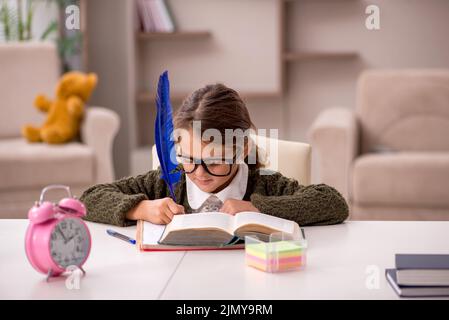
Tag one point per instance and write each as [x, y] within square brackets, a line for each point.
[57, 237]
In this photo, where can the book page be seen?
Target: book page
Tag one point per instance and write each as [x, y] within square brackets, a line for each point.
[202, 220]
[152, 233]
[273, 222]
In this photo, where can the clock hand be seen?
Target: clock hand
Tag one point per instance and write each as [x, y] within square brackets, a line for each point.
[66, 241]
[62, 234]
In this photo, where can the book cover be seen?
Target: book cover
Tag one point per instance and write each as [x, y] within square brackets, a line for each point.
[156, 15]
[414, 291]
[422, 269]
[165, 16]
[144, 16]
[422, 261]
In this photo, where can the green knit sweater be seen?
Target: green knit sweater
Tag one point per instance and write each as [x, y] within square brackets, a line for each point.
[272, 194]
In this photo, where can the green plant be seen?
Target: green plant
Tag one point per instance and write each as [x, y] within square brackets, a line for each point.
[5, 18]
[14, 26]
[16, 18]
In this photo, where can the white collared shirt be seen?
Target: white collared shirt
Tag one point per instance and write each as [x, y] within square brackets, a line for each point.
[235, 190]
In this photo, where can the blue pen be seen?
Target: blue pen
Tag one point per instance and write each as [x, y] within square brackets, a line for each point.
[120, 236]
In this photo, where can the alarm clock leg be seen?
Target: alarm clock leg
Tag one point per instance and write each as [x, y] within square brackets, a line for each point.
[84, 272]
[49, 275]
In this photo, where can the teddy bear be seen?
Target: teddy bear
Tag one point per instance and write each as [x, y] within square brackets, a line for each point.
[65, 112]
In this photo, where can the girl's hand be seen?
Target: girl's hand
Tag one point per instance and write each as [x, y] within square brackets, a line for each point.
[233, 206]
[159, 211]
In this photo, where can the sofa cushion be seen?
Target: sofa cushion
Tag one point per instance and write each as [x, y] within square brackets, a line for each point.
[26, 165]
[409, 179]
[27, 68]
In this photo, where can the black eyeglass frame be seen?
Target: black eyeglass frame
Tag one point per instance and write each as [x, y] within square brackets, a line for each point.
[204, 165]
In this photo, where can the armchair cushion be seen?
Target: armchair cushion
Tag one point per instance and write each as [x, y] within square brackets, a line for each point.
[411, 179]
[404, 110]
[26, 165]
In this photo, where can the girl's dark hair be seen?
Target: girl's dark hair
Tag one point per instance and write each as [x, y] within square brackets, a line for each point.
[217, 107]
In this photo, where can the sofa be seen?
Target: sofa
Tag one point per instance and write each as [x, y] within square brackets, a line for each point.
[25, 168]
[389, 157]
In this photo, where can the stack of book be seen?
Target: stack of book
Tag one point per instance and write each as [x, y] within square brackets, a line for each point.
[154, 16]
[420, 275]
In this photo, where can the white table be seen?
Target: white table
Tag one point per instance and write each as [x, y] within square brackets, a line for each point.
[114, 270]
[341, 260]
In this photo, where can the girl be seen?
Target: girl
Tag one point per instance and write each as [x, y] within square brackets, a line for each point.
[213, 184]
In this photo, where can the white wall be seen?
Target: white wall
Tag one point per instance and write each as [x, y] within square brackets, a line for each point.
[413, 34]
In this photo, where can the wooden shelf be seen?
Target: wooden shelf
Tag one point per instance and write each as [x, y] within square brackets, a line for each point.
[304, 56]
[173, 35]
[146, 97]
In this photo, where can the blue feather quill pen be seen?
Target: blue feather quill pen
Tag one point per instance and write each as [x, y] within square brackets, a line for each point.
[163, 133]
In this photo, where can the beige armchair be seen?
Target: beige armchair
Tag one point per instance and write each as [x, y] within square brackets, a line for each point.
[291, 158]
[25, 168]
[390, 158]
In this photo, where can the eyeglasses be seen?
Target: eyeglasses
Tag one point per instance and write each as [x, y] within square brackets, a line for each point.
[214, 166]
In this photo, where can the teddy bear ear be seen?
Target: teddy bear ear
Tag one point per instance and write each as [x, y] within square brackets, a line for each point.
[65, 82]
[92, 78]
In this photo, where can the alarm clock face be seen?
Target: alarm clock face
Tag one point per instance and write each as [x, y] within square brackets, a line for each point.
[69, 242]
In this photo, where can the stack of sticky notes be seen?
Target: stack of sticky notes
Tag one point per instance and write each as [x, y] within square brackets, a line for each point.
[275, 256]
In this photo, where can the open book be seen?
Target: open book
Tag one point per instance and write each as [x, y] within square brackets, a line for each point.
[211, 230]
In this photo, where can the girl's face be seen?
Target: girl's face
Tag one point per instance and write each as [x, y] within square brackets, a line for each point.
[215, 160]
